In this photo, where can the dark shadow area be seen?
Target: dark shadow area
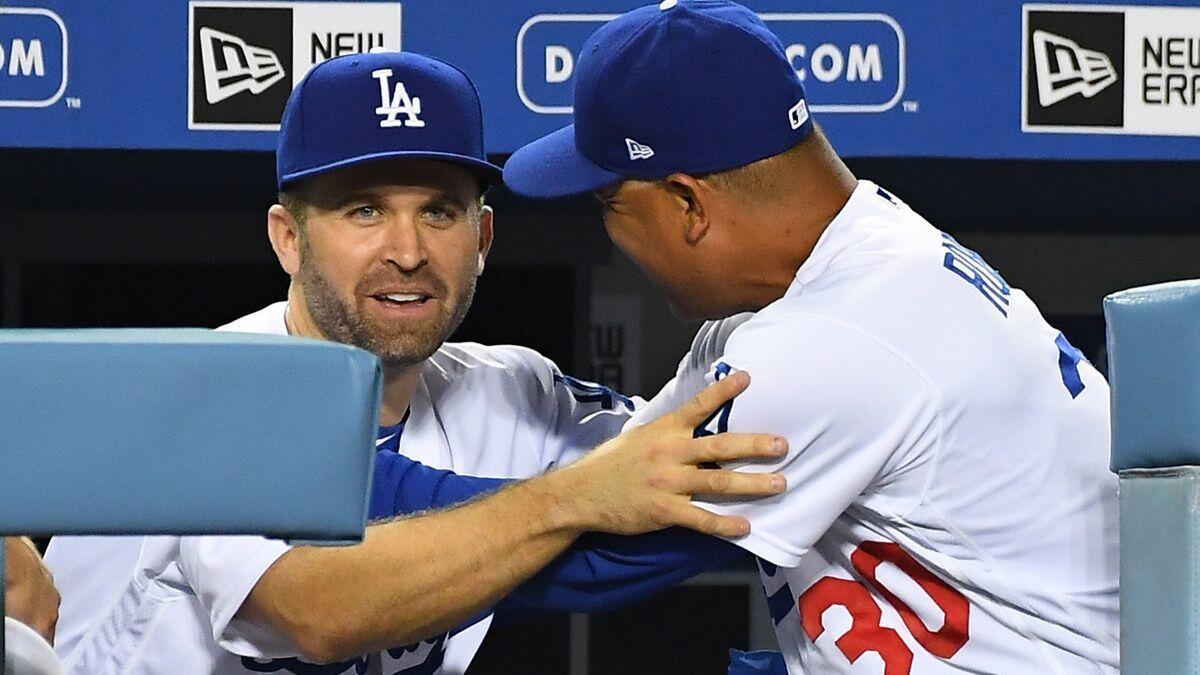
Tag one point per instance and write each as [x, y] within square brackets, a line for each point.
[113, 296]
[1133, 197]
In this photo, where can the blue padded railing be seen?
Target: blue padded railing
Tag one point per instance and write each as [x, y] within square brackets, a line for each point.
[1154, 370]
[185, 431]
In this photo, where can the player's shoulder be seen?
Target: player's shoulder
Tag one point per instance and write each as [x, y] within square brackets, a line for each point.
[473, 361]
[812, 371]
[783, 331]
[790, 344]
[269, 319]
[873, 273]
[711, 339]
[877, 237]
[469, 372]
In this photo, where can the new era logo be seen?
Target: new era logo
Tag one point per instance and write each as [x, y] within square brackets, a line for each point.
[232, 66]
[1073, 59]
[637, 150]
[246, 55]
[241, 63]
[1065, 69]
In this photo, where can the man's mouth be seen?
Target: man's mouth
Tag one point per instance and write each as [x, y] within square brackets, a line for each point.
[402, 298]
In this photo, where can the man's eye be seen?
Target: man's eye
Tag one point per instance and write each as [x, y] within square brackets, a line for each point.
[440, 213]
[364, 212]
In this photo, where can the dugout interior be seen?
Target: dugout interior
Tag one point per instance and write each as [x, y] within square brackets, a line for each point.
[158, 238]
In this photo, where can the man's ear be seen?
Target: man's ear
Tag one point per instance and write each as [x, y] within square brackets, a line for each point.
[486, 234]
[282, 230]
[693, 198]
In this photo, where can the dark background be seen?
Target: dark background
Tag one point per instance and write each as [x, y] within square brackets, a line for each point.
[125, 238]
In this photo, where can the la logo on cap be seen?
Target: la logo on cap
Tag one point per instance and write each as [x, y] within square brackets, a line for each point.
[637, 150]
[397, 103]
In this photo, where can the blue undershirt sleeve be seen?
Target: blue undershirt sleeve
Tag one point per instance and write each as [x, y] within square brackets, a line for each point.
[603, 572]
[600, 572]
[403, 486]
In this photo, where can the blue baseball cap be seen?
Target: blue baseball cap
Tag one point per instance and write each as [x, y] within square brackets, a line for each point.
[690, 86]
[365, 107]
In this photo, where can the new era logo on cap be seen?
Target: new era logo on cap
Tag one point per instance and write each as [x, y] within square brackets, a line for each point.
[232, 66]
[637, 150]
[1065, 69]
[713, 57]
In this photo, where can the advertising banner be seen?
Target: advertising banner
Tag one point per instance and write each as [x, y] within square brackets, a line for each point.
[990, 79]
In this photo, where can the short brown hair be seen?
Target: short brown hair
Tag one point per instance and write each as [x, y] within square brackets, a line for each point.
[763, 178]
[295, 206]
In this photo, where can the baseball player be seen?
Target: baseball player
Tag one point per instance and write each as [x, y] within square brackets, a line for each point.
[383, 230]
[949, 507]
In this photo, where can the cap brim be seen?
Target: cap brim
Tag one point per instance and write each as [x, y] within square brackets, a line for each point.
[552, 167]
[488, 174]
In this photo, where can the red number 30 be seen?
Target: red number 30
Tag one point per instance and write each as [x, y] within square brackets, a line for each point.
[866, 634]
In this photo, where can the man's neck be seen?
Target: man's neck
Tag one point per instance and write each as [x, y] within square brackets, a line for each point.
[399, 386]
[776, 239]
[399, 383]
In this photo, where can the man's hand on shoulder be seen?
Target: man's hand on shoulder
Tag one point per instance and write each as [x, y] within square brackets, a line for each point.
[336, 603]
[644, 479]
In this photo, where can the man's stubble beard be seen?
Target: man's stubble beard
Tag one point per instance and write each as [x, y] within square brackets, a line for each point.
[340, 322]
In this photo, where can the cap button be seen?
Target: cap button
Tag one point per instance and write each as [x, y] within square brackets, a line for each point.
[667, 4]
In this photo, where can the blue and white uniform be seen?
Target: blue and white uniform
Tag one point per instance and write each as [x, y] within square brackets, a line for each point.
[949, 505]
[167, 604]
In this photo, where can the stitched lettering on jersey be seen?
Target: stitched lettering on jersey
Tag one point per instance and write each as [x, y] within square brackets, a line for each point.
[887, 195]
[970, 266]
[974, 270]
[422, 658]
[867, 634]
[590, 392]
[1068, 364]
[718, 422]
[777, 590]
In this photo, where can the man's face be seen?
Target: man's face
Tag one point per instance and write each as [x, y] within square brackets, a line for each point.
[389, 254]
[646, 222]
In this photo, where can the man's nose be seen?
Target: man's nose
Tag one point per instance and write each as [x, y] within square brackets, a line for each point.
[406, 245]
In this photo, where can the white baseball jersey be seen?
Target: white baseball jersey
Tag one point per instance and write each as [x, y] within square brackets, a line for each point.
[166, 604]
[949, 505]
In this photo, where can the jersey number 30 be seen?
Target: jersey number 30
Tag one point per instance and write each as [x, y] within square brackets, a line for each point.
[866, 634]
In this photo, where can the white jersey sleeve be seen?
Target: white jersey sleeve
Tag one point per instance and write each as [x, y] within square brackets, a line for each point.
[576, 415]
[852, 412]
[707, 346]
[222, 571]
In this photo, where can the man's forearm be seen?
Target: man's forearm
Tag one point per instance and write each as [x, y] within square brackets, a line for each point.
[415, 577]
[599, 572]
